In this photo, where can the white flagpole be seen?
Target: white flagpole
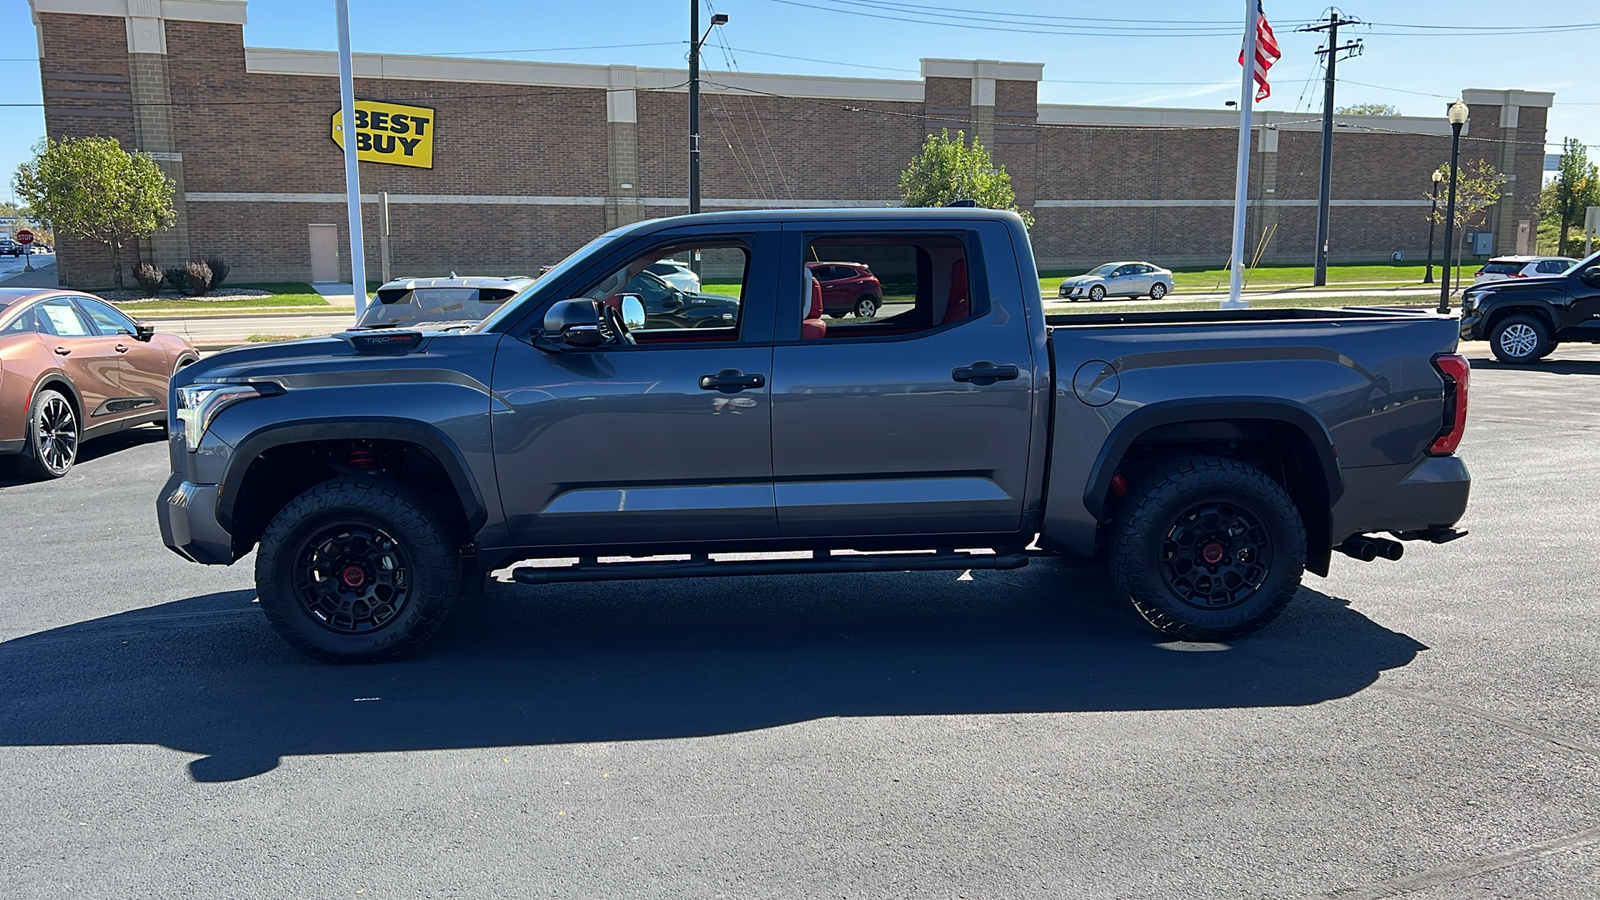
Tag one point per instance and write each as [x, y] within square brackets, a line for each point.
[352, 171]
[1241, 183]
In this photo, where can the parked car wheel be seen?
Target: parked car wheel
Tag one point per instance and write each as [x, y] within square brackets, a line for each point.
[867, 307]
[1097, 293]
[53, 435]
[1157, 291]
[1208, 548]
[1520, 339]
[357, 570]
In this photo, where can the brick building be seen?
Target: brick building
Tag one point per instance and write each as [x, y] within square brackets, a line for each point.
[532, 159]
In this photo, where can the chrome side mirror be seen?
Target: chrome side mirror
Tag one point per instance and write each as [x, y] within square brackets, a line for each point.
[632, 311]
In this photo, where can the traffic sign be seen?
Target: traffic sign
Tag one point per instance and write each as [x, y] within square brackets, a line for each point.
[24, 237]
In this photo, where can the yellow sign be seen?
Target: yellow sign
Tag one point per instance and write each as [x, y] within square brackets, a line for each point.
[390, 133]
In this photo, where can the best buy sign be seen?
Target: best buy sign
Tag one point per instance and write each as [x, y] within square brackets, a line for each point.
[390, 133]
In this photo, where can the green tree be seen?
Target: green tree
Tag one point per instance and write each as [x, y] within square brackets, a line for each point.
[92, 188]
[947, 169]
[1576, 188]
[1478, 187]
[1367, 109]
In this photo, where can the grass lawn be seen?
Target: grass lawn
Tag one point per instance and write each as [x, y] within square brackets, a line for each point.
[1375, 275]
[285, 295]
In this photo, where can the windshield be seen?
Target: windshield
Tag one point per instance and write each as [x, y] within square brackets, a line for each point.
[404, 307]
[551, 276]
[1106, 269]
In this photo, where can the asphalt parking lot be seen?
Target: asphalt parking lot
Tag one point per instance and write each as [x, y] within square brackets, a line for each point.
[1428, 728]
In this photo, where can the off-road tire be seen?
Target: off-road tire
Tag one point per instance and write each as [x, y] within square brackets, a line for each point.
[41, 453]
[433, 570]
[1157, 291]
[1155, 510]
[1097, 293]
[1526, 334]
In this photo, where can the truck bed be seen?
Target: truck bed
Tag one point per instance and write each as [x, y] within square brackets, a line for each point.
[1236, 316]
[1360, 382]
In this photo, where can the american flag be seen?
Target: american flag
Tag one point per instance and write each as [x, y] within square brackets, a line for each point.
[1267, 53]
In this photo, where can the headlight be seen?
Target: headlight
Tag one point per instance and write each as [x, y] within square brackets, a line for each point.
[198, 405]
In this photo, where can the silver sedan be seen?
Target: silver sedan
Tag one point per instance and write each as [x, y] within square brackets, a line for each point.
[1119, 279]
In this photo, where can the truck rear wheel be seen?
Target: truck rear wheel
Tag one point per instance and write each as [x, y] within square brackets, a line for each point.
[1208, 548]
[357, 570]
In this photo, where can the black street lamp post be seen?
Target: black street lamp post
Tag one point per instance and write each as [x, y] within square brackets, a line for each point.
[1433, 217]
[696, 41]
[1458, 118]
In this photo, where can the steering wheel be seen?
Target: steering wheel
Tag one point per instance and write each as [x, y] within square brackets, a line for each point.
[618, 328]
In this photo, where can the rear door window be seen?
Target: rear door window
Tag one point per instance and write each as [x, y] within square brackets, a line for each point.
[1502, 268]
[59, 317]
[922, 284]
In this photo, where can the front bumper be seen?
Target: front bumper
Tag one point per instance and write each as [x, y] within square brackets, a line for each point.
[1472, 325]
[187, 513]
[1073, 292]
[1410, 497]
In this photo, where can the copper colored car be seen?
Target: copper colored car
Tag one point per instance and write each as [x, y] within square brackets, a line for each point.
[73, 367]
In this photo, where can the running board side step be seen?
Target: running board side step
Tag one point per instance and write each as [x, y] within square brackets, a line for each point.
[702, 566]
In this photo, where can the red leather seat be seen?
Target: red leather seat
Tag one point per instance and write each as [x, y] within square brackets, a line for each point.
[812, 326]
[958, 306]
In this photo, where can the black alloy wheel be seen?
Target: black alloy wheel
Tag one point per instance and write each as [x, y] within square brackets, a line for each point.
[1097, 292]
[52, 444]
[352, 577]
[1207, 548]
[358, 569]
[1216, 555]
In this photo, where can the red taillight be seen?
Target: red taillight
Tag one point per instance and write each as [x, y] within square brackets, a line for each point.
[1477, 273]
[1454, 368]
[1520, 275]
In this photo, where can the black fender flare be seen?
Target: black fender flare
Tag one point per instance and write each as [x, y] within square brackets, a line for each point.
[1210, 409]
[1539, 307]
[384, 428]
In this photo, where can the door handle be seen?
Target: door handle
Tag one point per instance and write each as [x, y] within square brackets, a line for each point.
[123, 348]
[731, 381]
[985, 372]
[63, 351]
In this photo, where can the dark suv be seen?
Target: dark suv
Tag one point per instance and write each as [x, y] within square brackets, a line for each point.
[1524, 319]
[848, 288]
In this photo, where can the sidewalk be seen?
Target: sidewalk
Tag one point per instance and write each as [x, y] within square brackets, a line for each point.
[42, 276]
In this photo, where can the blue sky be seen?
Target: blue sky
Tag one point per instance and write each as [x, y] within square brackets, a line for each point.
[1156, 53]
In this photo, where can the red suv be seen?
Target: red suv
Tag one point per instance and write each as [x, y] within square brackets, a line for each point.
[847, 288]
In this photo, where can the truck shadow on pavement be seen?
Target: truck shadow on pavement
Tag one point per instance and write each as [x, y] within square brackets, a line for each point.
[1553, 366]
[652, 660]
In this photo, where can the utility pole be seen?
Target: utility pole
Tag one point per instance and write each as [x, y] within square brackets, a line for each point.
[1335, 19]
[694, 106]
[696, 41]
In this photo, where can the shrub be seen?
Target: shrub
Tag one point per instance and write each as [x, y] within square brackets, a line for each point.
[149, 278]
[199, 279]
[219, 271]
[178, 278]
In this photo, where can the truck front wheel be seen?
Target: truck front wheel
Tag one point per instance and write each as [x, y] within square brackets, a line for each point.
[1208, 548]
[357, 570]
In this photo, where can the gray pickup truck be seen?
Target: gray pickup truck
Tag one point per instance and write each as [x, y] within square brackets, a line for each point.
[1210, 457]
